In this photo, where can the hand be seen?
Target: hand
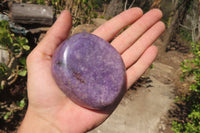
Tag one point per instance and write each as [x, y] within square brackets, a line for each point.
[49, 110]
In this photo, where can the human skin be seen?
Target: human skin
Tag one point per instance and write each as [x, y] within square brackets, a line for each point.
[49, 110]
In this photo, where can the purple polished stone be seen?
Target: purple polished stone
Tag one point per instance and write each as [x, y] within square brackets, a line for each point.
[89, 71]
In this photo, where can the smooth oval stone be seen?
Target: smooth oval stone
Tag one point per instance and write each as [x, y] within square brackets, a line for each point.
[89, 71]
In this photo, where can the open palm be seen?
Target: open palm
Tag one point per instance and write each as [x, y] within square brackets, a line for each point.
[48, 107]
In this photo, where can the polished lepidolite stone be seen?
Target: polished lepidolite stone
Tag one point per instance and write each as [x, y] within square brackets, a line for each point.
[89, 71]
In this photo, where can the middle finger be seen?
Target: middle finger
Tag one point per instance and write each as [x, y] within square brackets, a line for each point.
[129, 36]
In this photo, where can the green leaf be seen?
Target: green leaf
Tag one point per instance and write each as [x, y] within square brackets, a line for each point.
[21, 103]
[23, 61]
[22, 72]
[7, 115]
[13, 35]
[16, 44]
[85, 1]
[2, 87]
[26, 47]
[3, 70]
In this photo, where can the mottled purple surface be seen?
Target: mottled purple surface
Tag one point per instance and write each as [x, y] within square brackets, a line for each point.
[89, 71]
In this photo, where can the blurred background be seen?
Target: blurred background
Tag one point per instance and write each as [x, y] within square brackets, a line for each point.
[23, 23]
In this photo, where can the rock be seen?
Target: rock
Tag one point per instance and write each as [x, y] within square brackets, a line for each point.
[162, 72]
[88, 28]
[13, 27]
[32, 14]
[89, 71]
[98, 21]
[115, 7]
[4, 56]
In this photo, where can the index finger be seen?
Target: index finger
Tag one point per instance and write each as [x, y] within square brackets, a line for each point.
[56, 34]
[108, 30]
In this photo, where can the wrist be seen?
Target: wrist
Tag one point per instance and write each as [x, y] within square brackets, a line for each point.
[34, 123]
